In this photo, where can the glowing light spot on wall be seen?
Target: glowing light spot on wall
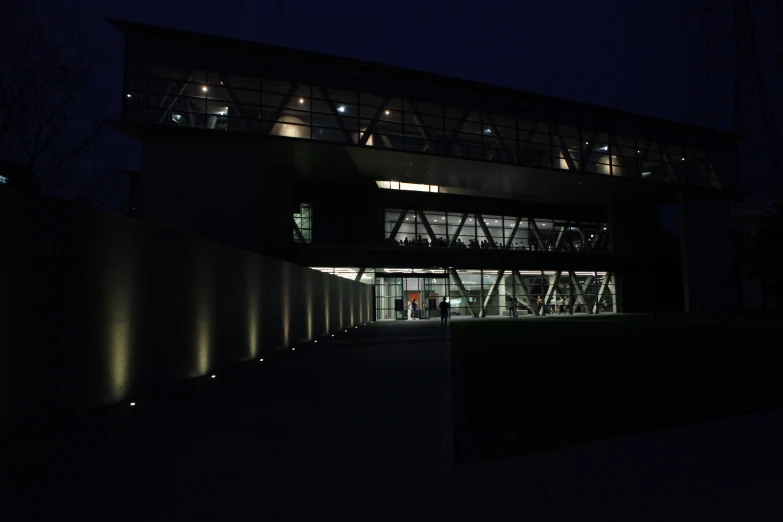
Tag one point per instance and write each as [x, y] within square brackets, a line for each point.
[327, 297]
[285, 282]
[120, 296]
[253, 308]
[342, 303]
[203, 293]
[353, 299]
[309, 303]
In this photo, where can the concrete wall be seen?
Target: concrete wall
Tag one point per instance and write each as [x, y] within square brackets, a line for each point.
[215, 187]
[709, 277]
[95, 308]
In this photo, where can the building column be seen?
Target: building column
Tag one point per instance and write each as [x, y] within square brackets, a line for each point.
[706, 252]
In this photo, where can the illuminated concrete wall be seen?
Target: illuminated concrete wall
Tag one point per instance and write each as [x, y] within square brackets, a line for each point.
[95, 307]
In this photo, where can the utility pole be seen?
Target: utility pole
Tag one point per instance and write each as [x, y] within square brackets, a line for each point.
[753, 119]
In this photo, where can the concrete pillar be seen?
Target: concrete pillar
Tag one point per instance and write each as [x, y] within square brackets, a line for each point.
[706, 252]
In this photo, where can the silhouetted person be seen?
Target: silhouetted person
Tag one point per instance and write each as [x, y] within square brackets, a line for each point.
[444, 312]
[415, 309]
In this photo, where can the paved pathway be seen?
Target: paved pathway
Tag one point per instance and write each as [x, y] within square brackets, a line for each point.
[350, 430]
[354, 430]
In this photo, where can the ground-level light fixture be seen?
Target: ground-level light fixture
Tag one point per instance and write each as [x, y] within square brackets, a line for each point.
[387, 113]
[341, 109]
[213, 376]
[204, 88]
[128, 95]
[133, 404]
[301, 100]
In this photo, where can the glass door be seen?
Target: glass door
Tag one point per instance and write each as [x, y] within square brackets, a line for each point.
[434, 291]
[388, 298]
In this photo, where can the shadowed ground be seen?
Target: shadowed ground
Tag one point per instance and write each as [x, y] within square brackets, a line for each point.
[357, 428]
[539, 384]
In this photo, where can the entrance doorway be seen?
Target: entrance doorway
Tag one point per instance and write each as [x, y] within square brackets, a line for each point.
[395, 293]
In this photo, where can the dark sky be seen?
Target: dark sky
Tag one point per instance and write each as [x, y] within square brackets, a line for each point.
[637, 56]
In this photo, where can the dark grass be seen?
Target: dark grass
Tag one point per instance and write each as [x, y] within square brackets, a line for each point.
[529, 385]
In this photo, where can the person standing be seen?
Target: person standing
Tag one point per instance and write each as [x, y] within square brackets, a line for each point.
[415, 309]
[444, 312]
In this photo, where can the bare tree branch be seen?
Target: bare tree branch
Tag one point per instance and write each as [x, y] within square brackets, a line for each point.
[46, 99]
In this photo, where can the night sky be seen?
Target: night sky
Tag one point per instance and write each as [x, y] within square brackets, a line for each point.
[637, 56]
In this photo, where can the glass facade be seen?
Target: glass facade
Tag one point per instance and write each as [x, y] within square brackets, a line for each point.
[396, 291]
[493, 293]
[432, 229]
[303, 224]
[160, 90]
[485, 293]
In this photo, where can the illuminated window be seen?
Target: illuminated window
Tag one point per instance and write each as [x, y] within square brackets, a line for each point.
[396, 185]
[303, 224]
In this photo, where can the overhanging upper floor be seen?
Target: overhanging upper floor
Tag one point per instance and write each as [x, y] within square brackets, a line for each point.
[185, 80]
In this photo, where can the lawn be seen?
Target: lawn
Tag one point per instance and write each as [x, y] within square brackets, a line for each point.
[529, 385]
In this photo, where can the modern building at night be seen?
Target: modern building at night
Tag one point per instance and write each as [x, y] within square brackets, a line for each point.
[426, 186]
